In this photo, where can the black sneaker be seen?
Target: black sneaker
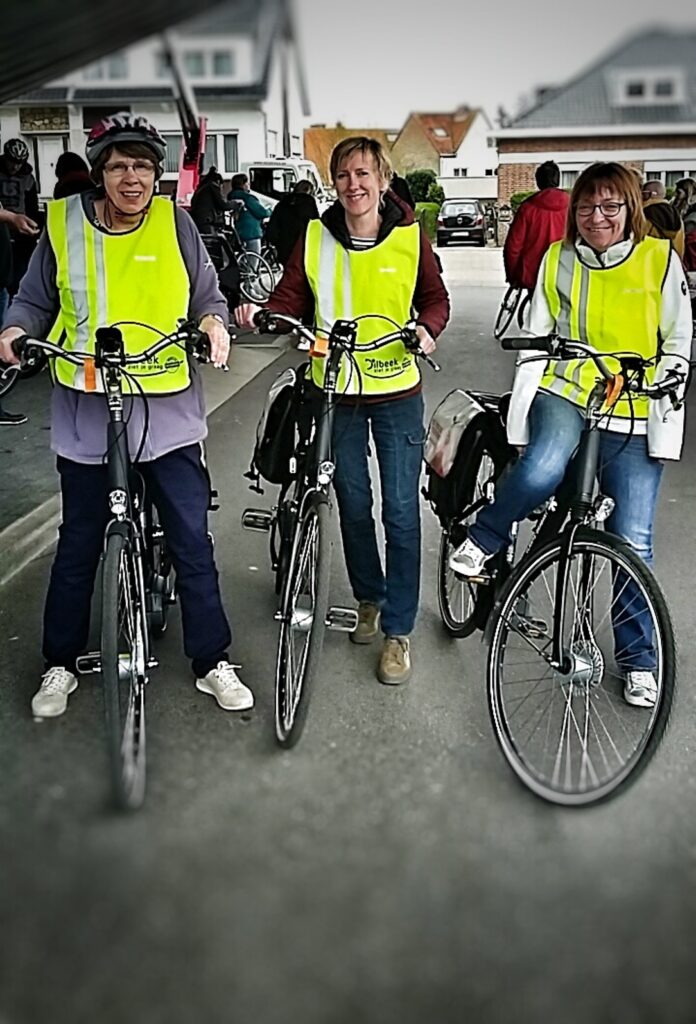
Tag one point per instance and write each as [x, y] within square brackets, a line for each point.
[11, 419]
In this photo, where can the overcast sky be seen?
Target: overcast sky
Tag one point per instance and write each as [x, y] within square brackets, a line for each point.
[369, 62]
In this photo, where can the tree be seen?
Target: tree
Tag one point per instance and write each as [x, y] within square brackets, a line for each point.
[419, 182]
[436, 194]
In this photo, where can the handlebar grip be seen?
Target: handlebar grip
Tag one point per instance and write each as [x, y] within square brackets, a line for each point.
[29, 355]
[264, 321]
[525, 344]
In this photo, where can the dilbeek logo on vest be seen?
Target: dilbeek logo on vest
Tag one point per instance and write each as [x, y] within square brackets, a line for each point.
[386, 367]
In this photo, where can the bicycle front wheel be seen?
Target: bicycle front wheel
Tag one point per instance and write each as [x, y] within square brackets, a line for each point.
[124, 665]
[303, 621]
[568, 733]
[256, 280]
[507, 309]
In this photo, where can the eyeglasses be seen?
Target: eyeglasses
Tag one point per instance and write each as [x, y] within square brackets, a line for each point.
[609, 209]
[141, 168]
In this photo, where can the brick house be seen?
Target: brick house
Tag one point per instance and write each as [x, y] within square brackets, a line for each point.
[637, 105]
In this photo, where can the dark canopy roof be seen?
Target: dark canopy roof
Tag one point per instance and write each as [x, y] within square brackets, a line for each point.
[43, 39]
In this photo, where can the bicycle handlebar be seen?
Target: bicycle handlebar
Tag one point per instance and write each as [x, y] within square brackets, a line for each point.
[28, 350]
[556, 347]
[265, 320]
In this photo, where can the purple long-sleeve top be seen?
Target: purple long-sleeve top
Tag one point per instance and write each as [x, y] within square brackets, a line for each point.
[79, 420]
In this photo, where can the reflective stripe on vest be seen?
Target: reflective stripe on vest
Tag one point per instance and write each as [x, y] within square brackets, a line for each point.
[348, 284]
[612, 308]
[103, 279]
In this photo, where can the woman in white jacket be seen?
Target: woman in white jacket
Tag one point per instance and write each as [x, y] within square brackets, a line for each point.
[610, 285]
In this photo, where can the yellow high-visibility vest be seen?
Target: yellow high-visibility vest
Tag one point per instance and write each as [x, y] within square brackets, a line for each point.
[612, 308]
[136, 276]
[347, 284]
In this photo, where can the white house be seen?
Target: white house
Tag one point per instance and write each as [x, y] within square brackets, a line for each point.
[241, 61]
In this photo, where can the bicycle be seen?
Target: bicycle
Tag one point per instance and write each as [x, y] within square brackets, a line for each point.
[300, 523]
[514, 301]
[137, 576]
[257, 278]
[563, 726]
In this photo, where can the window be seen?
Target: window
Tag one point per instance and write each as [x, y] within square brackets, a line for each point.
[673, 177]
[230, 153]
[210, 159]
[117, 66]
[634, 89]
[490, 171]
[456, 172]
[90, 115]
[94, 72]
[441, 133]
[568, 178]
[664, 87]
[194, 63]
[161, 66]
[295, 145]
[464, 171]
[272, 142]
[171, 160]
[223, 64]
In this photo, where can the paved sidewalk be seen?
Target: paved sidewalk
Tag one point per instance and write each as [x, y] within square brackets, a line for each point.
[29, 499]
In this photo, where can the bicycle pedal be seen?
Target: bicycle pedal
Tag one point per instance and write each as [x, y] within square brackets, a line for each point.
[342, 620]
[88, 663]
[484, 580]
[257, 519]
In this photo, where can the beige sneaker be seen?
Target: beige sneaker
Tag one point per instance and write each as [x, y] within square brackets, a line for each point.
[368, 623]
[395, 661]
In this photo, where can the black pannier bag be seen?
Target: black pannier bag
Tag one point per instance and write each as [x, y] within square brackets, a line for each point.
[276, 432]
[452, 442]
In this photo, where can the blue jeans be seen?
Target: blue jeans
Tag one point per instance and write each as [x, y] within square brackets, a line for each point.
[179, 488]
[398, 435]
[630, 477]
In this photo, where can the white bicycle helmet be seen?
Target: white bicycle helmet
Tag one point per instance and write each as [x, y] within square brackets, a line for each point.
[16, 149]
[123, 127]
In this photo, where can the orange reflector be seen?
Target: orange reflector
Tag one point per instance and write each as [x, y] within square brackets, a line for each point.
[614, 389]
[90, 375]
[320, 348]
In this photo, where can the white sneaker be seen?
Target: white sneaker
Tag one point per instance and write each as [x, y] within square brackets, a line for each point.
[223, 683]
[468, 559]
[51, 698]
[640, 689]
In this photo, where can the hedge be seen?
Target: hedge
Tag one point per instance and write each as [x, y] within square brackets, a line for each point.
[426, 214]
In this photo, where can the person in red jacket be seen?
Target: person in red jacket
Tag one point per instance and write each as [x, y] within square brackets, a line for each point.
[540, 220]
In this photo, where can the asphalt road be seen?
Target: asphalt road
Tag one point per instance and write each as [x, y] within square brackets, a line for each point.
[389, 869]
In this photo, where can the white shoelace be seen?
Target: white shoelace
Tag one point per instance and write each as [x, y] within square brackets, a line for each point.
[227, 675]
[56, 680]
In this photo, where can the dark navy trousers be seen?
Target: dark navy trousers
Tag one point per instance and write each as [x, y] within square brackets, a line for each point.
[178, 485]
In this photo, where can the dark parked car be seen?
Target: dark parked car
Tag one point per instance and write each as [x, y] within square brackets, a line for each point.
[461, 220]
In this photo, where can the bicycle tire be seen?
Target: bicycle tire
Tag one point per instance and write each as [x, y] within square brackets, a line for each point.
[463, 604]
[124, 653]
[8, 381]
[310, 568]
[256, 280]
[506, 311]
[593, 758]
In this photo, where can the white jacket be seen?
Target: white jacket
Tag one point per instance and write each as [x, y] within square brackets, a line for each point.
[665, 425]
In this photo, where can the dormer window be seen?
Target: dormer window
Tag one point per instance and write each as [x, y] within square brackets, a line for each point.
[637, 87]
[441, 133]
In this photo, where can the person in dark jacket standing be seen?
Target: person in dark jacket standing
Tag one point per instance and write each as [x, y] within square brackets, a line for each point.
[18, 222]
[290, 218]
[208, 204]
[72, 176]
[250, 220]
[401, 188]
[18, 194]
[368, 256]
[540, 221]
[663, 218]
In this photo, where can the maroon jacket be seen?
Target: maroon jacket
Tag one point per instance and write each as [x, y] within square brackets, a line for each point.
[540, 220]
[293, 295]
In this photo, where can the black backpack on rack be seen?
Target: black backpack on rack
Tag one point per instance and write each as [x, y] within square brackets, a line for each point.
[277, 429]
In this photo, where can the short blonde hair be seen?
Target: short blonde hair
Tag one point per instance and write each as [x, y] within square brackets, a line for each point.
[361, 144]
[623, 180]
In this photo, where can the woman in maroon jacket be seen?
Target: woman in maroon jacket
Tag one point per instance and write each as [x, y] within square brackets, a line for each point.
[369, 238]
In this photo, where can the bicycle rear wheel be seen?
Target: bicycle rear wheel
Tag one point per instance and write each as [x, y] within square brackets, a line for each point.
[461, 600]
[256, 277]
[303, 617]
[124, 655]
[569, 735]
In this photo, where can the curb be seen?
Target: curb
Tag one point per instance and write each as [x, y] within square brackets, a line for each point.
[29, 537]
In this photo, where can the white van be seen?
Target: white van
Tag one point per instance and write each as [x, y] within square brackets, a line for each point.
[276, 177]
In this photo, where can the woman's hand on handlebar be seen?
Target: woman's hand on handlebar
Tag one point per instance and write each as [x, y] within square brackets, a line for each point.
[244, 314]
[7, 354]
[426, 342]
[219, 340]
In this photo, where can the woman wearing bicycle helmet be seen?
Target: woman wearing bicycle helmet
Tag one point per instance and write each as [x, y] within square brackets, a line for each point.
[610, 285]
[367, 255]
[121, 254]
